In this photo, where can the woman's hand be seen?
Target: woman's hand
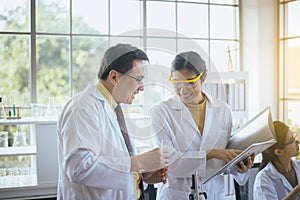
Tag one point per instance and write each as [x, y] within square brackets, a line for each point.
[244, 166]
[222, 154]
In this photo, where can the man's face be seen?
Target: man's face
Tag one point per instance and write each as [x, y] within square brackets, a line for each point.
[130, 84]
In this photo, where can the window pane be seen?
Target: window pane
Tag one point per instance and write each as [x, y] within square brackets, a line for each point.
[87, 55]
[161, 51]
[224, 22]
[160, 57]
[199, 46]
[220, 57]
[293, 69]
[197, 1]
[135, 41]
[15, 69]
[232, 2]
[90, 16]
[15, 15]
[52, 69]
[49, 13]
[125, 16]
[293, 114]
[161, 15]
[193, 20]
[293, 18]
[156, 87]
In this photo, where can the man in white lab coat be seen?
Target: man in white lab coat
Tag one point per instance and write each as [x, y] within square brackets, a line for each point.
[196, 129]
[95, 161]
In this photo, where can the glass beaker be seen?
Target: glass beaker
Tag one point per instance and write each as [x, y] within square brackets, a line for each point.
[19, 139]
[3, 139]
[24, 176]
[2, 177]
[36, 110]
[2, 109]
[51, 108]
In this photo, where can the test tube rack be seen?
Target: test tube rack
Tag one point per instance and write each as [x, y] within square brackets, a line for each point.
[13, 112]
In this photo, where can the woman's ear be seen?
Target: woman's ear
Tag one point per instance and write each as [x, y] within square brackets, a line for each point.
[278, 152]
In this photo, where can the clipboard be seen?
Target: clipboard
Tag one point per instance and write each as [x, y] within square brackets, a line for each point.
[230, 166]
[254, 137]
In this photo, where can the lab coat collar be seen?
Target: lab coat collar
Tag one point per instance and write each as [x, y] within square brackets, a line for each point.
[278, 176]
[176, 103]
[93, 90]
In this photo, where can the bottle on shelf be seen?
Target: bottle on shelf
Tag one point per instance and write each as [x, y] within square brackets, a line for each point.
[2, 110]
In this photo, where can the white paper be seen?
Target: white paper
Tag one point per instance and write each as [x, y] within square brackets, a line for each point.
[259, 129]
[254, 137]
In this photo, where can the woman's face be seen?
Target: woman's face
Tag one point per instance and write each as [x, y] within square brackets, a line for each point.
[291, 145]
[189, 93]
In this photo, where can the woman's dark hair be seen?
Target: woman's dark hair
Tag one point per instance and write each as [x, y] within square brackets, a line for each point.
[120, 58]
[281, 131]
[190, 61]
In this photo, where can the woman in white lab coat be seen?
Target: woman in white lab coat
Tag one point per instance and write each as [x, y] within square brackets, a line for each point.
[195, 128]
[279, 177]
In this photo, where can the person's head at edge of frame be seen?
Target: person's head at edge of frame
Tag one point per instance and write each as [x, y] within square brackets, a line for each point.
[188, 72]
[121, 71]
[286, 145]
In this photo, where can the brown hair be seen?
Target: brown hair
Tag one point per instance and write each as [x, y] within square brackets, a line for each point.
[281, 131]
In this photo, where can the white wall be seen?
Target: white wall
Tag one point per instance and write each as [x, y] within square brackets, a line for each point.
[259, 47]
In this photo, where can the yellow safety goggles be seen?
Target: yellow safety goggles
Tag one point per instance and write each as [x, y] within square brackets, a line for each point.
[178, 82]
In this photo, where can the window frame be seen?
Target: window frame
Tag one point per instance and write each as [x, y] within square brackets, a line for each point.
[33, 34]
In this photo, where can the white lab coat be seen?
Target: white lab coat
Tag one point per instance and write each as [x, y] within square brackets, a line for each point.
[102, 170]
[173, 124]
[270, 184]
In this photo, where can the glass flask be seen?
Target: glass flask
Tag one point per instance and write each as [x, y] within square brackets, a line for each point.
[19, 139]
[51, 108]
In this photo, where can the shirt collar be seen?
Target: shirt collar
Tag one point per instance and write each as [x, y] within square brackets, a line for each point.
[107, 95]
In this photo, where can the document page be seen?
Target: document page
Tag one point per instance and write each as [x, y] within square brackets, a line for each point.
[254, 137]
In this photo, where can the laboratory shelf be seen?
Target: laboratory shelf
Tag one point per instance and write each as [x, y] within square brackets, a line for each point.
[41, 154]
[17, 151]
[29, 120]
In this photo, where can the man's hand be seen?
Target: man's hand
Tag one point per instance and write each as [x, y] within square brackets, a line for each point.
[150, 161]
[156, 176]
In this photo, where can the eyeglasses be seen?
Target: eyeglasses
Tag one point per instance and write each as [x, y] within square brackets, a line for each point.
[138, 80]
[187, 82]
[290, 142]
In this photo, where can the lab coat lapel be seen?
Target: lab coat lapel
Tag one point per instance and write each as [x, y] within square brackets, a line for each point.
[187, 119]
[297, 169]
[110, 113]
[279, 177]
[209, 115]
